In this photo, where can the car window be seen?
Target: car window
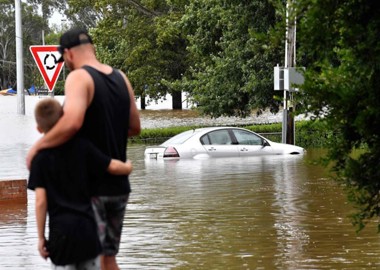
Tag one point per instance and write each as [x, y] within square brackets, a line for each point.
[248, 138]
[205, 140]
[218, 137]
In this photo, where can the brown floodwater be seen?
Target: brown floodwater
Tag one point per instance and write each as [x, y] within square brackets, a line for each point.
[277, 212]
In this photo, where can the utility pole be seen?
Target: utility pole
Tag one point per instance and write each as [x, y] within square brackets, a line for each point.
[288, 126]
[287, 76]
[19, 60]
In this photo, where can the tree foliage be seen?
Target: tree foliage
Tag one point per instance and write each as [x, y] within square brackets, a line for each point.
[221, 52]
[7, 45]
[234, 47]
[84, 14]
[47, 7]
[140, 37]
[340, 42]
[32, 27]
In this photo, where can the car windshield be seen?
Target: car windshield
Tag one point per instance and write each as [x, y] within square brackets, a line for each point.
[180, 138]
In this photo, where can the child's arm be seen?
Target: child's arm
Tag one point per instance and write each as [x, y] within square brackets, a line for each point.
[118, 167]
[41, 211]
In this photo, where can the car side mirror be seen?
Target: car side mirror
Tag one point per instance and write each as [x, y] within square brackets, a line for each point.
[265, 143]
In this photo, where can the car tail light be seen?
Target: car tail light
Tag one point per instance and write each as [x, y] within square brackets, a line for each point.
[171, 152]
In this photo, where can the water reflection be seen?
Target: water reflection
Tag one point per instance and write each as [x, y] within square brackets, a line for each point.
[288, 206]
[256, 213]
[14, 212]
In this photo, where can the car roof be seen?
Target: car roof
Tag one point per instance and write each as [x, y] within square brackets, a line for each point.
[206, 129]
[184, 136]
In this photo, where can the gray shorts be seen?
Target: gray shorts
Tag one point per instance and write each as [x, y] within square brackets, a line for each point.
[109, 214]
[93, 264]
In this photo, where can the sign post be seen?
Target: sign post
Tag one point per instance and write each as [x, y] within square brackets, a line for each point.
[46, 57]
[19, 59]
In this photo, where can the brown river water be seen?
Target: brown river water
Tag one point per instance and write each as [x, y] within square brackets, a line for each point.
[278, 212]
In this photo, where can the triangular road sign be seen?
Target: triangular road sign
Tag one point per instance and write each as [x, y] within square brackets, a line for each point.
[46, 57]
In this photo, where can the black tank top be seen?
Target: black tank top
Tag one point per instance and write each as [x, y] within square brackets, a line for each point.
[106, 125]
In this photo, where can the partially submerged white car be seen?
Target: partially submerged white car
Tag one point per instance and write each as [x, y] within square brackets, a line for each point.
[219, 142]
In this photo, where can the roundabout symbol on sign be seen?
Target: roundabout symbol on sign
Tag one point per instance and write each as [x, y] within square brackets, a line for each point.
[54, 61]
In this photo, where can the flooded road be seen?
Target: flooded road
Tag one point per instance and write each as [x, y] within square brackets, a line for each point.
[276, 212]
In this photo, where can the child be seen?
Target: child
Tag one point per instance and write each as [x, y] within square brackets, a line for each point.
[61, 178]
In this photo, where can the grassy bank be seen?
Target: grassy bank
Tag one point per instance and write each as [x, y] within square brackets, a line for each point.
[308, 133]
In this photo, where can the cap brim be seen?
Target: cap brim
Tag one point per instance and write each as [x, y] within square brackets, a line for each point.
[60, 60]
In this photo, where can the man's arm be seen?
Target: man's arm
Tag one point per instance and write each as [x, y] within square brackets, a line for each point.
[134, 116]
[78, 94]
[41, 211]
[118, 167]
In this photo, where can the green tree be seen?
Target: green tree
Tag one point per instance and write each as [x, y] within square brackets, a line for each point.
[339, 39]
[32, 24]
[141, 38]
[83, 13]
[222, 52]
[233, 47]
[7, 44]
[48, 7]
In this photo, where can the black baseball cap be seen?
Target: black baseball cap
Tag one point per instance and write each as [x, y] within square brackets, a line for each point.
[72, 38]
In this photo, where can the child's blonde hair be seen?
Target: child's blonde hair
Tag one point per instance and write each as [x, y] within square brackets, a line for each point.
[47, 113]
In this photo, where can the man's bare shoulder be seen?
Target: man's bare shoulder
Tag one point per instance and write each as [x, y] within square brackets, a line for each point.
[79, 76]
[79, 82]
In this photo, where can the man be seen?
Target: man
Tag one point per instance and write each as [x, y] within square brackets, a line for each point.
[100, 106]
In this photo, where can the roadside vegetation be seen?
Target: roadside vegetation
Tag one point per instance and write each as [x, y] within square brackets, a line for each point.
[309, 134]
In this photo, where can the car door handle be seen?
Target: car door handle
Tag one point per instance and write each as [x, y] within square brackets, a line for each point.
[212, 149]
[243, 149]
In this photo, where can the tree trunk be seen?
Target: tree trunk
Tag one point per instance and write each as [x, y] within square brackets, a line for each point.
[177, 100]
[142, 102]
